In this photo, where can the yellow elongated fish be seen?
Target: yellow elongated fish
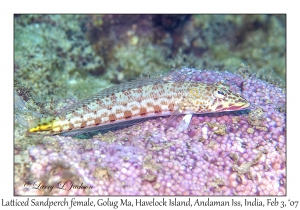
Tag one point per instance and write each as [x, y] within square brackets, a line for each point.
[142, 98]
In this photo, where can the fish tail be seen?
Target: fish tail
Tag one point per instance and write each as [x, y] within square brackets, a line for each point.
[40, 124]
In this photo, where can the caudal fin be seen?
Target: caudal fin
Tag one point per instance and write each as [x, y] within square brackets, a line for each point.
[40, 124]
[32, 123]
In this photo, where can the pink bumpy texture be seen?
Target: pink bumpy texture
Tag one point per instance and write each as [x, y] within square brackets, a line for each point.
[230, 153]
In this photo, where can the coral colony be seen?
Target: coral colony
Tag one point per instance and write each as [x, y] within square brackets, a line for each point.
[226, 153]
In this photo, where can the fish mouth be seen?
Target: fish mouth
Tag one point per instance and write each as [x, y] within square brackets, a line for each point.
[239, 106]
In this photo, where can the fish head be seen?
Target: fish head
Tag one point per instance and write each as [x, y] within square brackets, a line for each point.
[226, 100]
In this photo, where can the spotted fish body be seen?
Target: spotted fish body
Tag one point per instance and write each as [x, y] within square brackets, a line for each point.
[143, 98]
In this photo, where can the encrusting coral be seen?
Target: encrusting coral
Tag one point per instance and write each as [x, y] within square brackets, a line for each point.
[232, 153]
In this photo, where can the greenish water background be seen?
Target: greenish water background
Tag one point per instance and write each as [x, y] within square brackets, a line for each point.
[61, 56]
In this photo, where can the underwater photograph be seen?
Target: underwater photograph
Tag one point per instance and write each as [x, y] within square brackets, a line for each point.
[149, 104]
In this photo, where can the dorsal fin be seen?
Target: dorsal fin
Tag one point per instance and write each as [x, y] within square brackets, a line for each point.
[183, 74]
[115, 89]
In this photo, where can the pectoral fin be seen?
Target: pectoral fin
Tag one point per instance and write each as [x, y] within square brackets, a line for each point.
[184, 122]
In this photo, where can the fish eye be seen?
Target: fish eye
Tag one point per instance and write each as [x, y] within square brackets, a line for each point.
[219, 94]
